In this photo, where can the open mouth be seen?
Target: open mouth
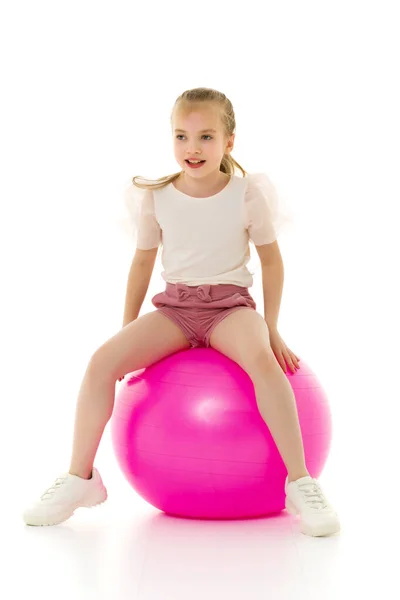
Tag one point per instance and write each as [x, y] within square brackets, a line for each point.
[195, 165]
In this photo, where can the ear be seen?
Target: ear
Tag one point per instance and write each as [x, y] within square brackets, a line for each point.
[230, 143]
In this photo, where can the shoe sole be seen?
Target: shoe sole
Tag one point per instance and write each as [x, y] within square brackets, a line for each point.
[316, 530]
[65, 516]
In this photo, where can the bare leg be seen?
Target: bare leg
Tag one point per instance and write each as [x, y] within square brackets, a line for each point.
[93, 411]
[277, 405]
[137, 345]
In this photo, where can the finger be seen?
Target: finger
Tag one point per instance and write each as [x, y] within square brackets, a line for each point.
[291, 362]
[295, 360]
[281, 360]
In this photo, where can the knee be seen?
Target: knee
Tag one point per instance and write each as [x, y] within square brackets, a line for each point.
[261, 362]
[100, 363]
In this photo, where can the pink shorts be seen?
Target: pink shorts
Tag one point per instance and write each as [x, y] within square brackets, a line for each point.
[198, 309]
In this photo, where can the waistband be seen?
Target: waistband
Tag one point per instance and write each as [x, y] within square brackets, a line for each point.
[206, 291]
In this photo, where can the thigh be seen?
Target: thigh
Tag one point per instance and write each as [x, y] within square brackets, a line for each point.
[139, 344]
[243, 336]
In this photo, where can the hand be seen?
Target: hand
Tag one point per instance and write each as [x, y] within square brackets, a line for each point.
[283, 353]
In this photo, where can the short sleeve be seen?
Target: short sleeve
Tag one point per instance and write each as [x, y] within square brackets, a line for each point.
[266, 215]
[139, 221]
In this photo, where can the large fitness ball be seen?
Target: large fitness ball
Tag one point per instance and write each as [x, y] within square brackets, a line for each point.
[189, 437]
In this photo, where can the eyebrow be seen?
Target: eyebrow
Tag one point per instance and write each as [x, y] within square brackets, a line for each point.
[202, 131]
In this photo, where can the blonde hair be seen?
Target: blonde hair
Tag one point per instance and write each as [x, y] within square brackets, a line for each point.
[183, 104]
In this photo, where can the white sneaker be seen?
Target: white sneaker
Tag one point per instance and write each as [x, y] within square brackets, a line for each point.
[67, 493]
[304, 497]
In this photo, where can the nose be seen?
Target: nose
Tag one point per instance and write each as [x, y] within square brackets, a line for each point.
[193, 147]
[191, 150]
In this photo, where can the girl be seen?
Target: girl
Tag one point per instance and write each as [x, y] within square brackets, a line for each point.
[203, 216]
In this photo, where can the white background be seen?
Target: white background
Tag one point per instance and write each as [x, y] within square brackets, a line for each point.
[87, 93]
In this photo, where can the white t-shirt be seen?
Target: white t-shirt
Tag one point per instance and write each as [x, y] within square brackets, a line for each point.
[206, 240]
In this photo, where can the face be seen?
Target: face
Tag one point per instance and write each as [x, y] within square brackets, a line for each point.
[193, 142]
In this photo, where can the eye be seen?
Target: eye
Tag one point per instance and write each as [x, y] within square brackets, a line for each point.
[205, 135]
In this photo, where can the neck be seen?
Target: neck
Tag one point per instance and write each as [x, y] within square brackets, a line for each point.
[207, 184]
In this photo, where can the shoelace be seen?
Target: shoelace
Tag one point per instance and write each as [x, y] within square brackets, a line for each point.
[56, 485]
[314, 495]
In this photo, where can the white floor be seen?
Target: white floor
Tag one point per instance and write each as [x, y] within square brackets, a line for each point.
[126, 549]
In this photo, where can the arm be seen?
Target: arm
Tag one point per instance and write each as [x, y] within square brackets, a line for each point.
[138, 283]
[272, 278]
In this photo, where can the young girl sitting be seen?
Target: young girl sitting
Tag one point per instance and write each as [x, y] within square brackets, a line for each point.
[204, 216]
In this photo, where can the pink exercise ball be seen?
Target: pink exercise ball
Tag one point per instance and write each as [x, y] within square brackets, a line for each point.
[189, 437]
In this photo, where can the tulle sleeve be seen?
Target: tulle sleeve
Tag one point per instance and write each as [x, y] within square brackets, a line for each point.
[266, 213]
[138, 221]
